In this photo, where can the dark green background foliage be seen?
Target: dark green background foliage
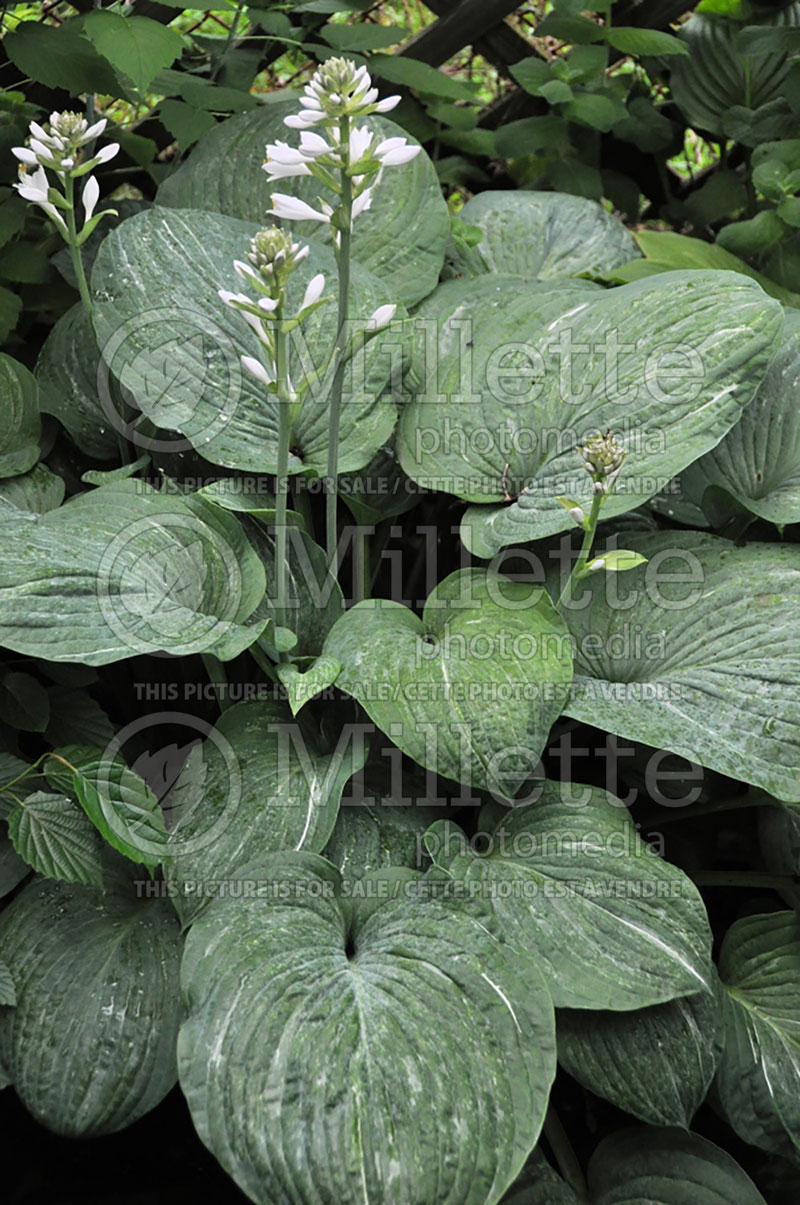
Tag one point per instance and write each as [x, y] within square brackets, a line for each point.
[435, 997]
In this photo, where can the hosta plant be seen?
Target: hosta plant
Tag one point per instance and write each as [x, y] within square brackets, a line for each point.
[383, 613]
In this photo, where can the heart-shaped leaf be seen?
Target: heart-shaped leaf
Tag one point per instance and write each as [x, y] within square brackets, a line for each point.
[758, 462]
[123, 570]
[759, 1075]
[32, 493]
[540, 234]
[569, 878]
[655, 1063]
[259, 784]
[19, 435]
[667, 1166]
[698, 652]
[469, 690]
[90, 1045]
[402, 236]
[521, 382]
[67, 376]
[309, 1055]
[175, 348]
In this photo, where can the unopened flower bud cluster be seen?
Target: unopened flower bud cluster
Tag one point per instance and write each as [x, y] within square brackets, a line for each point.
[337, 91]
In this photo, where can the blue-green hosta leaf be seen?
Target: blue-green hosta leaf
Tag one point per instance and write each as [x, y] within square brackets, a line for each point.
[314, 599]
[570, 879]
[175, 348]
[655, 1063]
[54, 837]
[667, 1166]
[115, 799]
[90, 1045]
[540, 234]
[715, 673]
[401, 1053]
[667, 363]
[32, 493]
[8, 994]
[715, 76]
[67, 376]
[302, 686]
[539, 1184]
[123, 570]
[401, 238]
[369, 838]
[24, 702]
[759, 1075]
[469, 690]
[13, 869]
[21, 426]
[758, 462]
[259, 784]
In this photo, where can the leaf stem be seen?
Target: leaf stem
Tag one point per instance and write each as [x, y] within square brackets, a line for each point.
[363, 579]
[282, 482]
[343, 263]
[564, 1154]
[74, 249]
[583, 555]
[217, 677]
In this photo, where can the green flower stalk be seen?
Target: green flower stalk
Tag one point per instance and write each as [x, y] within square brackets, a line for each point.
[61, 148]
[603, 457]
[347, 160]
[271, 260]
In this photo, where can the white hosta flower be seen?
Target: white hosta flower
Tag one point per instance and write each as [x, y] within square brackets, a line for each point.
[381, 317]
[393, 152]
[35, 187]
[90, 196]
[314, 290]
[257, 370]
[60, 146]
[284, 206]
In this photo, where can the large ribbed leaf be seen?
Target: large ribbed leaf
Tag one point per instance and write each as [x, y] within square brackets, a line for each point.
[32, 493]
[175, 348]
[259, 784]
[715, 672]
[20, 427]
[400, 1053]
[90, 1045]
[469, 690]
[522, 378]
[667, 1167]
[758, 462]
[368, 838]
[401, 238]
[123, 570]
[715, 76]
[759, 1075]
[67, 375]
[541, 234]
[613, 925]
[655, 1063]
